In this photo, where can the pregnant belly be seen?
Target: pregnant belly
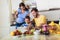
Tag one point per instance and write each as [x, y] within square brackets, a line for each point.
[19, 20]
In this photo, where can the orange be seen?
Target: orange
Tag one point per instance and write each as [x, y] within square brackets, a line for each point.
[12, 33]
[58, 32]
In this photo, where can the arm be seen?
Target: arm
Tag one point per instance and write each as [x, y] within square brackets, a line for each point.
[33, 22]
[16, 14]
[30, 26]
[28, 13]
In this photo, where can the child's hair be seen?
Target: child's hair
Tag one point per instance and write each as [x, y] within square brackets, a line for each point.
[27, 17]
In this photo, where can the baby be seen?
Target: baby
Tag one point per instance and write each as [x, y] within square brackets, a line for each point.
[28, 23]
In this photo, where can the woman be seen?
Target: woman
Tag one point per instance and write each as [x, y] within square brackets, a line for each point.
[21, 13]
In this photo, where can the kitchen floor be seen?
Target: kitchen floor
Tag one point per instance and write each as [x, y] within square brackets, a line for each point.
[34, 37]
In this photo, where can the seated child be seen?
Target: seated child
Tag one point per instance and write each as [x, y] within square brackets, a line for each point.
[27, 23]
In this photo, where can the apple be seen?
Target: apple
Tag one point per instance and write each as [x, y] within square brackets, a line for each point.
[17, 32]
[27, 32]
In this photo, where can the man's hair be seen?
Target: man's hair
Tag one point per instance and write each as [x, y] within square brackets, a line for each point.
[34, 9]
[27, 17]
[21, 4]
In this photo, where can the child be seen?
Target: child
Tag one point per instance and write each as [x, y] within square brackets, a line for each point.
[28, 23]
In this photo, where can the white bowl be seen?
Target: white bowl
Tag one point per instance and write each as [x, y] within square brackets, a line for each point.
[37, 32]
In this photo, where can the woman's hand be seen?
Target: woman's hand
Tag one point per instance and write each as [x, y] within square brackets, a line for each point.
[16, 14]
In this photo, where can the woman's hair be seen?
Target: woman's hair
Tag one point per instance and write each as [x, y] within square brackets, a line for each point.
[27, 17]
[34, 9]
[27, 6]
[22, 4]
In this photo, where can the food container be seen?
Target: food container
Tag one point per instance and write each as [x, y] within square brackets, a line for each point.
[37, 32]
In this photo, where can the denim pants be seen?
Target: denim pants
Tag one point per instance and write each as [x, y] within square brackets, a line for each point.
[19, 24]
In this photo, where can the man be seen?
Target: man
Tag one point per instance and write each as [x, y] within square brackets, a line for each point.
[38, 19]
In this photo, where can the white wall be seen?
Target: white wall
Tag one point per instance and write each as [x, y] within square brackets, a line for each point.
[5, 14]
[52, 15]
[4, 18]
[47, 4]
[15, 4]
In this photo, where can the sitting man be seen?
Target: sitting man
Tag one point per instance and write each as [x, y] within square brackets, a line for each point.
[39, 20]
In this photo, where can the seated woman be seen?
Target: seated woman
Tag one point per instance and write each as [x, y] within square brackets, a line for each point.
[20, 15]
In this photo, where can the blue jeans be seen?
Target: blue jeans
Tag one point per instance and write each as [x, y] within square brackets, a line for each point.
[19, 24]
